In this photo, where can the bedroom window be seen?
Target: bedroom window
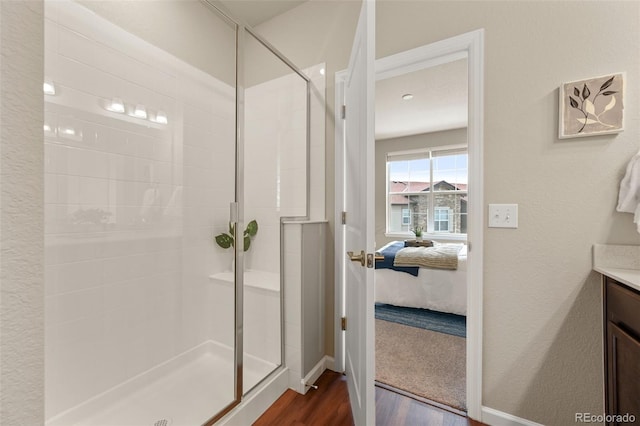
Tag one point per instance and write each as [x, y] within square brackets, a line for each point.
[427, 189]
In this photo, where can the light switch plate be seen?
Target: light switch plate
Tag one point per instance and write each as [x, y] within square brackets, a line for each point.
[503, 215]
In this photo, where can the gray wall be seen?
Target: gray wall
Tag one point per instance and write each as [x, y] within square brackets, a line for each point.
[425, 140]
[542, 321]
[21, 213]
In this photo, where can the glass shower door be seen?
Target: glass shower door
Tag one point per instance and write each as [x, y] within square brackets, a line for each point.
[275, 150]
[140, 159]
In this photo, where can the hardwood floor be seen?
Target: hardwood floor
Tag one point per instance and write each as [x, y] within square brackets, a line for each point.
[329, 406]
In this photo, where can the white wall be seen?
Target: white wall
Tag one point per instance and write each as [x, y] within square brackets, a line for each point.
[21, 214]
[542, 315]
[383, 147]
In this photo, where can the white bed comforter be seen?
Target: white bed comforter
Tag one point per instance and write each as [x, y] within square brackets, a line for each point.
[435, 289]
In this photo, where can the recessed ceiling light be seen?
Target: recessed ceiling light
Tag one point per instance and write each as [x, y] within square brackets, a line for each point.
[407, 97]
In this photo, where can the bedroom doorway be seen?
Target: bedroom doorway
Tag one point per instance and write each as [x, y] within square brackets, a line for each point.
[421, 213]
[466, 49]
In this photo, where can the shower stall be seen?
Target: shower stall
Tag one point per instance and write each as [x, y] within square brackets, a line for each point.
[166, 124]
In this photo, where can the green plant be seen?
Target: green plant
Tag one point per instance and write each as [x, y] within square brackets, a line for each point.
[418, 231]
[226, 240]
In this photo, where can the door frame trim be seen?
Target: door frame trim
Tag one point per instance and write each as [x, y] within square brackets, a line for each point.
[339, 243]
[471, 46]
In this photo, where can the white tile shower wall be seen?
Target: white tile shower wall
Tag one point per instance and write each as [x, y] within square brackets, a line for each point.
[262, 324]
[275, 163]
[209, 158]
[131, 206]
[317, 143]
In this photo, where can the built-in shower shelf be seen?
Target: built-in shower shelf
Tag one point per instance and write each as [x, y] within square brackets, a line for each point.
[269, 281]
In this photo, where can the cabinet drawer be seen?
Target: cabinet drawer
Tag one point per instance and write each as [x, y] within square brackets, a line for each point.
[623, 306]
[623, 372]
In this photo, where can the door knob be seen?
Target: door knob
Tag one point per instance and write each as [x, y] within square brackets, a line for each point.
[361, 257]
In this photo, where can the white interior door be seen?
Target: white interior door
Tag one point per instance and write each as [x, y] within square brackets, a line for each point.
[359, 234]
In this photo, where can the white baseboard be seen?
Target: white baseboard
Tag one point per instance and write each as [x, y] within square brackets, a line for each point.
[313, 375]
[325, 363]
[494, 417]
[330, 363]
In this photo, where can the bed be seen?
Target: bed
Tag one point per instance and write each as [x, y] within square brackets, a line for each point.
[436, 289]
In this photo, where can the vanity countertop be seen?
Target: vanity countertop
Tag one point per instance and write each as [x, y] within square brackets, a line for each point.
[620, 262]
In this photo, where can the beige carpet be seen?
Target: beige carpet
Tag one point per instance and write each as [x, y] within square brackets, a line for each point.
[423, 362]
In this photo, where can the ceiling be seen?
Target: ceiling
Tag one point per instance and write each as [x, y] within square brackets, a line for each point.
[255, 12]
[439, 101]
[439, 93]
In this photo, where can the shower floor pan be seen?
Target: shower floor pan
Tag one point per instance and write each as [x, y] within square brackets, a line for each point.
[184, 391]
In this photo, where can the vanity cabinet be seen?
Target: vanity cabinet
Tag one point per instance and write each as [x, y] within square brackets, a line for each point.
[621, 349]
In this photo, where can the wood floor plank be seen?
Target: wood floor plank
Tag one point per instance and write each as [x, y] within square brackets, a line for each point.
[329, 406]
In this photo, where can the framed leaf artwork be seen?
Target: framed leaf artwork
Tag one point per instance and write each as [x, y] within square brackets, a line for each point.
[592, 107]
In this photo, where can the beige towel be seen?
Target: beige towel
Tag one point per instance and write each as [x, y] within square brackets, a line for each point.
[442, 256]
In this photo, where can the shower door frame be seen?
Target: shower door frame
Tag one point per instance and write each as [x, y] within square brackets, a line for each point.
[237, 207]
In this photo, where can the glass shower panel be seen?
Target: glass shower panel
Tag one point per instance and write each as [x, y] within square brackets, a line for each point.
[139, 173]
[275, 187]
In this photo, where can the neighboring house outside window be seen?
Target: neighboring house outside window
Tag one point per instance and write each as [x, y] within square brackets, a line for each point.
[430, 187]
[406, 216]
[441, 219]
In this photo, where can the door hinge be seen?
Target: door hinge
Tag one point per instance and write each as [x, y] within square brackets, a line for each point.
[344, 323]
[344, 218]
[343, 112]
